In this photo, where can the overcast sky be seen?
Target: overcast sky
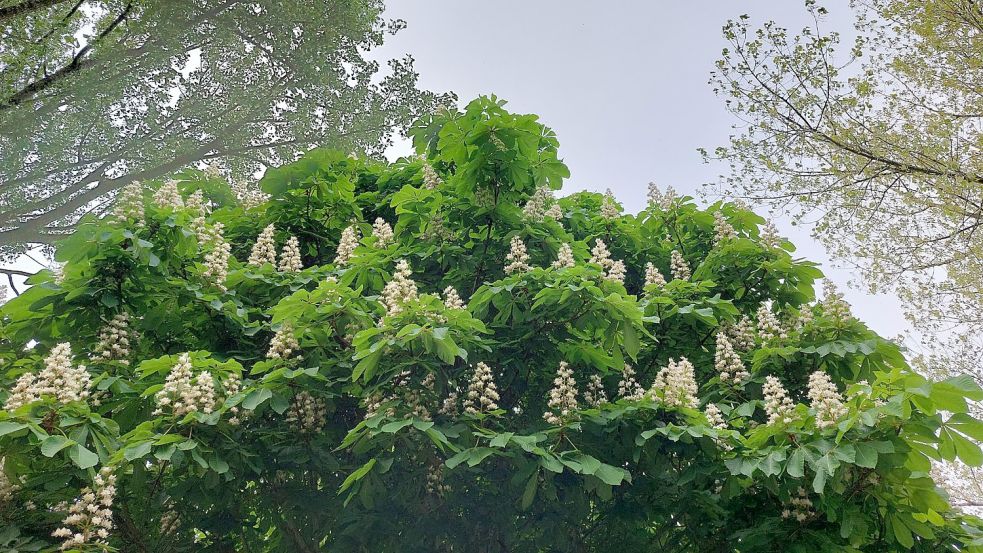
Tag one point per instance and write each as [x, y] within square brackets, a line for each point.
[623, 84]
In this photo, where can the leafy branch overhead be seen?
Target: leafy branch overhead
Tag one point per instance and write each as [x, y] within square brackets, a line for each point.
[439, 355]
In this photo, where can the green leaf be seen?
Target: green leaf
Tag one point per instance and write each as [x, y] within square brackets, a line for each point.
[796, 464]
[967, 451]
[7, 427]
[82, 457]
[256, 397]
[612, 476]
[866, 456]
[357, 475]
[529, 493]
[53, 444]
[137, 451]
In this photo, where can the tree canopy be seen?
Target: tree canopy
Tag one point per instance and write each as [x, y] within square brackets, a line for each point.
[97, 93]
[879, 144]
[439, 355]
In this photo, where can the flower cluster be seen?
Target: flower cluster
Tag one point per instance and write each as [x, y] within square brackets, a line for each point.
[609, 206]
[383, 232]
[217, 258]
[801, 507]
[58, 379]
[435, 479]
[129, 204]
[563, 397]
[740, 334]
[346, 246]
[769, 236]
[653, 276]
[804, 318]
[595, 395]
[564, 257]
[769, 327]
[183, 392]
[833, 304]
[628, 387]
[482, 395]
[90, 517]
[307, 413]
[517, 260]
[401, 289]
[248, 196]
[777, 403]
[537, 204]
[431, 179]
[714, 416]
[115, 339]
[284, 344]
[168, 196]
[290, 261]
[196, 202]
[659, 199]
[7, 488]
[613, 270]
[678, 266]
[675, 384]
[728, 363]
[232, 386]
[452, 300]
[722, 228]
[264, 250]
[825, 400]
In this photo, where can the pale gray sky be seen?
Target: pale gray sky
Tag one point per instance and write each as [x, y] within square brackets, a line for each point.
[623, 84]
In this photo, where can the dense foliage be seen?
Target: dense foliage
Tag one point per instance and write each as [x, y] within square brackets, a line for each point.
[292, 373]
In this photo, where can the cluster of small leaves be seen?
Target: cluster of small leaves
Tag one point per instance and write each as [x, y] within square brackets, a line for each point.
[399, 463]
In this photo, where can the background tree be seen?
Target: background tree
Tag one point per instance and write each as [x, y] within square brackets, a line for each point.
[881, 146]
[97, 93]
[437, 355]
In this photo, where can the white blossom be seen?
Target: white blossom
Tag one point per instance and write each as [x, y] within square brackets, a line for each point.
[675, 385]
[196, 202]
[777, 403]
[769, 236]
[554, 212]
[833, 304]
[805, 317]
[628, 387]
[801, 507]
[449, 405]
[600, 255]
[90, 517]
[741, 334]
[517, 260]
[769, 327]
[115, 339]
[168, 196]
[482, 395]
[383, 233]
[714, 416]
[825, 400]
[678, 266]
[595, 395]
[728, 363]
[536, 205]
[7, 487]
[284, 344]
[431, 179]
[217, 258]
[562, 400]
[129, 204]
[401, 289]
[722, 228]
[264, 250]
[435, 479]
[307, 414]
[564, 257]
[346, 246]
[59, 379]
[656, 198]
[185, 393]
[248, 195]
[290, 261]
[653, 276]
[609, 206]
[452, 300]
